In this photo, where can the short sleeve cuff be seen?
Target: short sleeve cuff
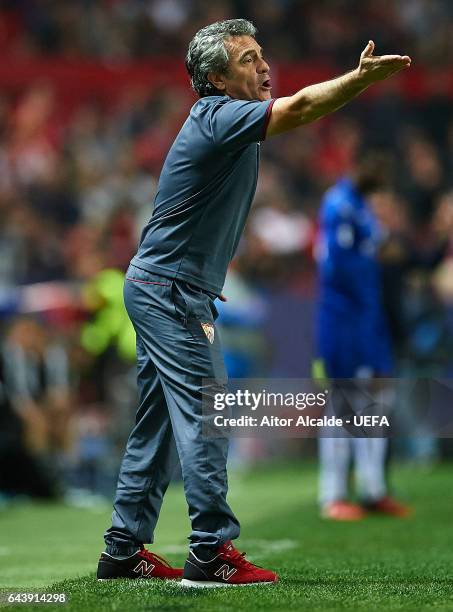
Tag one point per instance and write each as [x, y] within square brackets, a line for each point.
[267, 118]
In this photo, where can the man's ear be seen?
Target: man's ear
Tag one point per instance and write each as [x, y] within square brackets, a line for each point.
[217, 80]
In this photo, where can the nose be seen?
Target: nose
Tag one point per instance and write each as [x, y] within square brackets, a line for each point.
[263, 66]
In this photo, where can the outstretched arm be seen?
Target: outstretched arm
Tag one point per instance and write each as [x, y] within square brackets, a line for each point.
[316, 101]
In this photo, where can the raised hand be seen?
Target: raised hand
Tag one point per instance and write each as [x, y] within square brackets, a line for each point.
[318, 100]
[374, 68]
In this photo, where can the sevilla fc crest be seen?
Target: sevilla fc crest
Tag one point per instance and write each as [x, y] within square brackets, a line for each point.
[208, 329]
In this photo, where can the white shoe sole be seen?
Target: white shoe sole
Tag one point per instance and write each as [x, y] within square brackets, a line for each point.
[140, 580]
[209, 584]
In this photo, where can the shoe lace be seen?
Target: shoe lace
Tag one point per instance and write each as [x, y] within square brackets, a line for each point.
[239, 557]
[149, 556]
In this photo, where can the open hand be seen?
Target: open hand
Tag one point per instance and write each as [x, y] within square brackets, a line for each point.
[378, 67]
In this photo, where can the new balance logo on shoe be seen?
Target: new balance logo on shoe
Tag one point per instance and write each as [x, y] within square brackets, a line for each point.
[144, 569]
[225, 572]
[140, 565]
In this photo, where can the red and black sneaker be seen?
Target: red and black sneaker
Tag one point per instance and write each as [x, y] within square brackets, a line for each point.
[142, 564]
[228, 567]
[390, 506]
[342, 510]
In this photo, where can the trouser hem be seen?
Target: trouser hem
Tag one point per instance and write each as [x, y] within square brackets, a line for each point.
[121, 551]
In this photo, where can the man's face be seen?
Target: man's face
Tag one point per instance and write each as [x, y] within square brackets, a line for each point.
[248, 73]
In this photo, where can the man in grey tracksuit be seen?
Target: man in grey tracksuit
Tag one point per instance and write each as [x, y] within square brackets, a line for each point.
[205, 191]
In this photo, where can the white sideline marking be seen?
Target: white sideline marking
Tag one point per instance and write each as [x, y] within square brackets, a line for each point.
[269, 545]
[253, 545]
[173, 549]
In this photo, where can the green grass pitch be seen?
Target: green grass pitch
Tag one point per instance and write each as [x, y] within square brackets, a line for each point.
[379, 564]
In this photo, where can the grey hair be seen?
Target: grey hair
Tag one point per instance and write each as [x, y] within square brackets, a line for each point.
[208, 53]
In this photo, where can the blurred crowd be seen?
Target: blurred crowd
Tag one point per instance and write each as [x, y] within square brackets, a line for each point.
[129, 29]
[77, 187]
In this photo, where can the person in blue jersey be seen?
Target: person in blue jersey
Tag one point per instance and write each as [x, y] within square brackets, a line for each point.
[204, 195]
[353, 335]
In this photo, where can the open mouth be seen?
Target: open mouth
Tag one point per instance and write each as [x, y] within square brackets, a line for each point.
[266, 84]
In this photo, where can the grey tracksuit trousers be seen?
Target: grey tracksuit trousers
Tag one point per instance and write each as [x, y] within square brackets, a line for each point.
[175, 357]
